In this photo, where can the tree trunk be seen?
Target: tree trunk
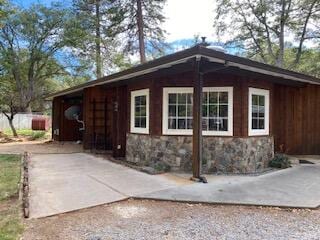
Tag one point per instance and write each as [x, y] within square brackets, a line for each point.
[13, 129]
[279, 61]
[98, 41]
[140, 32]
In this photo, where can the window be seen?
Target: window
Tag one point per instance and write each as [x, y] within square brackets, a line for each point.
[140, 111]
[258, 112]
[177, 111]
[217, 111]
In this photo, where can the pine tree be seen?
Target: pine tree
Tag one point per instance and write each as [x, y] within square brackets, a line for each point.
[139, 22]
[95, 43]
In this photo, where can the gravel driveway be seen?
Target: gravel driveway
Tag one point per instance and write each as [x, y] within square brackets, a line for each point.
[134, 219]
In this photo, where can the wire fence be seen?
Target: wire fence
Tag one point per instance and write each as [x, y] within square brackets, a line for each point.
[20, 121]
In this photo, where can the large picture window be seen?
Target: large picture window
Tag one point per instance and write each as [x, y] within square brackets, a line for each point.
[140, 111]
[177, 111]
[258, 112]
[217, 111]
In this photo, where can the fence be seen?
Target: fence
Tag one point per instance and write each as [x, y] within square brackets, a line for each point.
[20, 121]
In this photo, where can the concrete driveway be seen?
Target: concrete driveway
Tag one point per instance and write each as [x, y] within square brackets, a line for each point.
[297, 187]
[65, 182]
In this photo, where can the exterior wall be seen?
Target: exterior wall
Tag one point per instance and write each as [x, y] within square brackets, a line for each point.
[62, 128]
[106, 126]
[296, 119]
[220, 154]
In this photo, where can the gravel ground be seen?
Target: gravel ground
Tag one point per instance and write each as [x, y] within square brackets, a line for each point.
[135, 219]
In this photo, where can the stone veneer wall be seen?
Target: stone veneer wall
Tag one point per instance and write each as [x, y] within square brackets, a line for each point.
[220, 154]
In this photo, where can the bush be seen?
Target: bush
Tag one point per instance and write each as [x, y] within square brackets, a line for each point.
[280, 161]
[37, 135]
[162, 167]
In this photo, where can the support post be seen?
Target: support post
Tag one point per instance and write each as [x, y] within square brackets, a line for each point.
[197, 122]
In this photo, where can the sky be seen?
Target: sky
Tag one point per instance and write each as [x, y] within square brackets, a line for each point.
[185, 18]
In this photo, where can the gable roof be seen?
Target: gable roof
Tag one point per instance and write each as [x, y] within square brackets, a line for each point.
[185, 55]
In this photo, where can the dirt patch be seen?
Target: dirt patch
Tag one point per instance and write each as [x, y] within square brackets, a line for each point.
[40, 147]
[135, 219]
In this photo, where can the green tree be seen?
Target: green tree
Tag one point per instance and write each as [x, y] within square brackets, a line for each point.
[95, 44]
[139, 22]
[264, 27]
[32, 43]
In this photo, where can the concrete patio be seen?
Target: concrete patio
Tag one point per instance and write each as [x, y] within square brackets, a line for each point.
[296, 187]
[65, 182]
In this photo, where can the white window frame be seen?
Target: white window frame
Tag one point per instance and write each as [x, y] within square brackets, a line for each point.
[165, 129]
[168, 90]
[266, 94]
[230, 111]
[142, 92]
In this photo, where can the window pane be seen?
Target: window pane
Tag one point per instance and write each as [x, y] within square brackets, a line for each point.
[255, 123]
[261, 123]
[223, 97]
[189, 110]
[172, 110]
[213, 97]
[189, 98]
[181, 123]
[261, 111]
[223, 111]
[143, 112]
[172, 123]
[137, 122]
[255, 99]
[213, 111]
[137, 101]
[143, 100]
[205, 110]
[182, 98]
[204, 97]
[143, 122]
[182, 111]
[224, 125]
[189, 123]
[261, 100]
[205, 124]
[137, 111]
[255, 109]
[172, 98]
[213, 124]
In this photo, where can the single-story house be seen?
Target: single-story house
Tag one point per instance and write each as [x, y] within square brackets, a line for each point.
[197, 109]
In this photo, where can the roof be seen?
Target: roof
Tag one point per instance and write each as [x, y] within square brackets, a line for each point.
[185, 55]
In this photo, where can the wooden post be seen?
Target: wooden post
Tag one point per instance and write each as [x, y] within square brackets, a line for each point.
[197, 121]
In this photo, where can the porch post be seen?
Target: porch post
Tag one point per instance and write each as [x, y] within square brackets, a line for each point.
[197, 121]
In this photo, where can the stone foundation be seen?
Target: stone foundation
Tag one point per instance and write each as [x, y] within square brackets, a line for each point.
[220, 154]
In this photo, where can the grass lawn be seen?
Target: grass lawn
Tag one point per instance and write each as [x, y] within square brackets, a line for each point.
[10, 209]
[34, 135]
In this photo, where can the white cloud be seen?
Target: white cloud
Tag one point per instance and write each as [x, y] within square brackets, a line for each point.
[186, 18]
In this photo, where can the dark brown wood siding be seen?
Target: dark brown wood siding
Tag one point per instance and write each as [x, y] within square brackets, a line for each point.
[56, 118]
[296, 119]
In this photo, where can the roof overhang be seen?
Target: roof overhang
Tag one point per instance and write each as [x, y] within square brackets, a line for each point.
[189, 54]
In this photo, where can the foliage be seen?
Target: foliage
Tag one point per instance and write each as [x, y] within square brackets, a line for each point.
[162, 167]
[95, 44]
[139, 22]
[265, 27]
[10, 223]
[31, 134]
[280, 161]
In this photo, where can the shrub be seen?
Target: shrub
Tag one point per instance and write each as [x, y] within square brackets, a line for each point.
[162, 167]
[280, 161]
[37, 135]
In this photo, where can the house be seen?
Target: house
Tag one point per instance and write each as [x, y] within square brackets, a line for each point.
[155, 113]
